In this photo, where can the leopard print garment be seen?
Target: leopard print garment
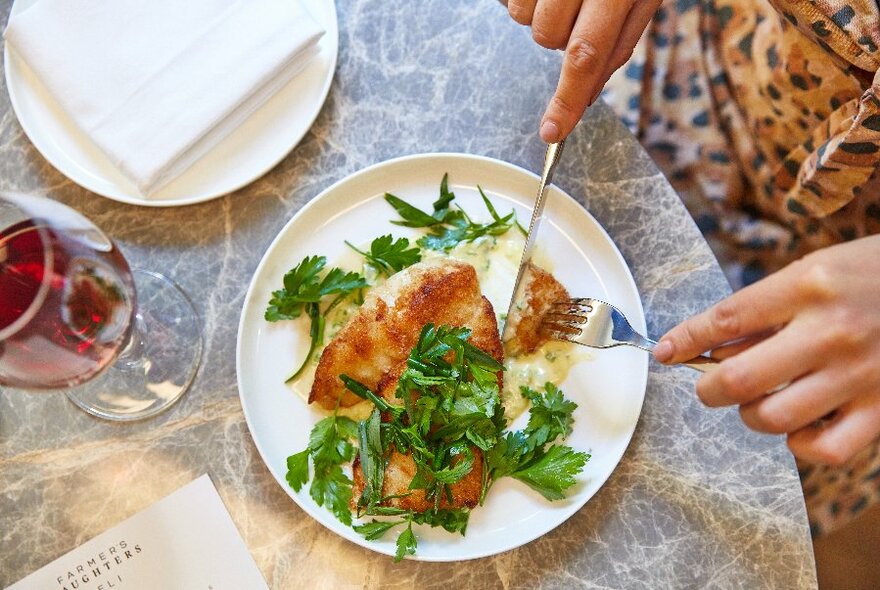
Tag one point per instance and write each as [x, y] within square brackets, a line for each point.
[765, 117]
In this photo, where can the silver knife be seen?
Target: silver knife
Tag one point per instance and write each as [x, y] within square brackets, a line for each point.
[551, 158]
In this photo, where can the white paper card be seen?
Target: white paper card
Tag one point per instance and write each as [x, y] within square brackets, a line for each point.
[186, 541]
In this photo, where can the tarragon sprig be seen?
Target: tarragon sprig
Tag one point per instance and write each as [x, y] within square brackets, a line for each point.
[449, 226]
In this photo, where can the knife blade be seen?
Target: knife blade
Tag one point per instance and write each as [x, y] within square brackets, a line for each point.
[551, 159]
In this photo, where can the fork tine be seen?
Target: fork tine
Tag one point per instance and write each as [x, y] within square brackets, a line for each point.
[560, 335]
[562, 324]
[584, 301]
[569, 319]
[568, 307]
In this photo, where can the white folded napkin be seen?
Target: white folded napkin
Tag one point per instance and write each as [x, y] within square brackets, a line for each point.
[157, 83]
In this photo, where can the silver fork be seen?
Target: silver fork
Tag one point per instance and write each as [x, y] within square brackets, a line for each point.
[598, 324]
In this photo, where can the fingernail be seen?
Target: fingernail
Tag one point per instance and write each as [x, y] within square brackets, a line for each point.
[549, 131]
[663, 351]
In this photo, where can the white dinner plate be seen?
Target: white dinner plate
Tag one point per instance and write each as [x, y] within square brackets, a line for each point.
[609, 388]
[243, 156]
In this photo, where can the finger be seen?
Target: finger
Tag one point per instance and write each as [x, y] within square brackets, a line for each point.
[593, 37]
[800, 404]
[521, 10]
[734, 348]
[854, 427]
[749, 375]
[633, 29]
[553, 21]
[754, 309]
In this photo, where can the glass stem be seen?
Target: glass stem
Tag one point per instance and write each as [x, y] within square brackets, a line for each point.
[132, 355]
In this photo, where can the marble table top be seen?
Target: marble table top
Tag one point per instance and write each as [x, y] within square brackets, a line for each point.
[697, 501]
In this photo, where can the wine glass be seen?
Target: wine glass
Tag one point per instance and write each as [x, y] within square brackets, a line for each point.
[70, 306]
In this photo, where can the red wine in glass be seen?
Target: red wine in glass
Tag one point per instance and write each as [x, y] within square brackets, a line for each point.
[62, 299]
[68, 311]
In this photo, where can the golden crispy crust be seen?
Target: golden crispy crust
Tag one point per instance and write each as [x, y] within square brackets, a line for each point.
[400, 472]
[374, 345]
[541, 290]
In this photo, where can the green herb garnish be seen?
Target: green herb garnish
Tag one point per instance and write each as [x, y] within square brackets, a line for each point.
[302, 285]
[449, 227]
[450, 407]
[304, 290]
[389, 256]
[329, 448]
[523, 454]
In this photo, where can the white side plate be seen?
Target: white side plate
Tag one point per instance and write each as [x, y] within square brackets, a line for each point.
[243, 156]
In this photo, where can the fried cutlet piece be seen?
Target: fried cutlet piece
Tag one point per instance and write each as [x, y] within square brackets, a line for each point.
[541, 290]
[378, 339]
[400, 472]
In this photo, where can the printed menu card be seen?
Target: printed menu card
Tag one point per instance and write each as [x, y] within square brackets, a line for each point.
[184, 541]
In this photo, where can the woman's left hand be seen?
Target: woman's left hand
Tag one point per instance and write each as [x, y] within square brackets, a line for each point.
[813, 331]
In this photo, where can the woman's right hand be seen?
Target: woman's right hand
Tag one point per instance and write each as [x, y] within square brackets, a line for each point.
[801, 352]
[598, 37]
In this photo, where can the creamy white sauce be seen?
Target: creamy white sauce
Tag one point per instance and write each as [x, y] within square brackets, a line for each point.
[550, 363]
[496, 260]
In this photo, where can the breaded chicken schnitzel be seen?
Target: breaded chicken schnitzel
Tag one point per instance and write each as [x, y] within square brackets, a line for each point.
[373, 347]
[540, 291]
[399, 473]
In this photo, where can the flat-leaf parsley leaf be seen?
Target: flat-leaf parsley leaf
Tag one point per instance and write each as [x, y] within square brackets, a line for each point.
[329, 447]
[303, 291]
[388, 255]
